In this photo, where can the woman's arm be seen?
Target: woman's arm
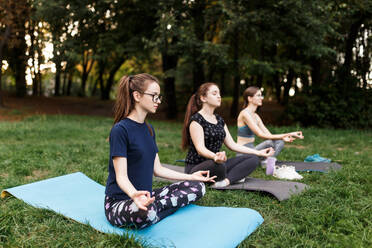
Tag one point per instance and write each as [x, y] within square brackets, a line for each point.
[259, 129]
[141, 198]
[161, 171]
[232, 145]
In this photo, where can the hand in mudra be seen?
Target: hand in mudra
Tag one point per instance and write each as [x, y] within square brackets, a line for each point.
[288, 138]
[220, 157]
[142, 199]
[297, 134]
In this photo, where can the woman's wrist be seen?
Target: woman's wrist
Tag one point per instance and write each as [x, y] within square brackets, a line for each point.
[189, 177]
[131, 194]
[214, 157]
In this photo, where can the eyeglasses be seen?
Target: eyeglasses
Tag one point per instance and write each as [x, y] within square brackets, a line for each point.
[155, 98]
[259, 96]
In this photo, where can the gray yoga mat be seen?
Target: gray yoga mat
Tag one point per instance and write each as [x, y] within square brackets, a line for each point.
[311, 166]
[282, 190]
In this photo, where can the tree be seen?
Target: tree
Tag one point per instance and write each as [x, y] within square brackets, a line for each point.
[14, 15]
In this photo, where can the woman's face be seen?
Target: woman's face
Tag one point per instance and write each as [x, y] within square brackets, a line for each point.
[256, 99]
[151, 98]
[213, 96]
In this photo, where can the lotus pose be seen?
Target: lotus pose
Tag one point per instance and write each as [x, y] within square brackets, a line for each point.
[250, 124]
[204, 132]
[130, 199]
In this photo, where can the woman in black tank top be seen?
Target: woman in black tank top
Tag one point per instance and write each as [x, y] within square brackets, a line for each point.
[204, 133]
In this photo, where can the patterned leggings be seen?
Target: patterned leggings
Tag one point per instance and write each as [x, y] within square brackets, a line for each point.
[167, 200]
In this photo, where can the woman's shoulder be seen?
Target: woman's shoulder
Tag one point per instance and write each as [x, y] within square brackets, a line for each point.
[248, 115]
[120, 126]
[197, 117]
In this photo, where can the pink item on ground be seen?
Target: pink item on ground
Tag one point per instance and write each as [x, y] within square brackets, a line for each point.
[270, 165]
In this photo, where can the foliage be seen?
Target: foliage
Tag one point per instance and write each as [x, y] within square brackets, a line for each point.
[328, 107]
[334, 212]
[297, 46]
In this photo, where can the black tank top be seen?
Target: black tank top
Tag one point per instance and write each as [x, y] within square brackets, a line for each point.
[214, 135]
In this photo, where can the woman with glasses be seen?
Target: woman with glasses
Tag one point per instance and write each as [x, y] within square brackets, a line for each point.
[130, 199]
[250, 124]
[203, 134]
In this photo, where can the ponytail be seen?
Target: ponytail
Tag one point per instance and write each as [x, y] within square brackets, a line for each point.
[124, 101]
[192, 107]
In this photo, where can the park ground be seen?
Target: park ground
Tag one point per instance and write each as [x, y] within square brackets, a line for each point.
[47, 137]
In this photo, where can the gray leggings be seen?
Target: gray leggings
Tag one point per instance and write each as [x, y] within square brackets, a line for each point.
[278, 146]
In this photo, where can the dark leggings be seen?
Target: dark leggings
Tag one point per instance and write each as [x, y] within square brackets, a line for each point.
[233, 169]
[167, 200]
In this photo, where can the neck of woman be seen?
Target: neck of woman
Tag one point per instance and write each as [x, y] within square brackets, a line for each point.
[251, 108]
[207, 110]
[138, 115]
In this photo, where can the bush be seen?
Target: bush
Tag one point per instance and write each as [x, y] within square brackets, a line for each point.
[329, 107]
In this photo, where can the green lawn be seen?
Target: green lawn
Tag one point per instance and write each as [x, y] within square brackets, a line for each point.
[335, 212]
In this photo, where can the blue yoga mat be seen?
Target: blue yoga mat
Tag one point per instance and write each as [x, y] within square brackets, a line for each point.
[78, 197]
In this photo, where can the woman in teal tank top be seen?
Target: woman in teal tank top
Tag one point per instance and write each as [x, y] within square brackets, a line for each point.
[250, 124]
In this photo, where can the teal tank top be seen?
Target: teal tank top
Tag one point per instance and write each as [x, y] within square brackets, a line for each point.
[245, 132]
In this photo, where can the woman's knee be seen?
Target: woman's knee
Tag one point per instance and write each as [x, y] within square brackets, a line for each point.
[254, 160]
[270, 143]
[196, 187]
[219, 172]
[279, 143]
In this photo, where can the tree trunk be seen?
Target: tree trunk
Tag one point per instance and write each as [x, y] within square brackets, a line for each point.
[1, 91]
[199, 31]
[110, 80]
[94, 90]
[235, 103]
[39, 82]
[100, 79]
[212, 70]
[69, 84]
[349, 44]
[315, 73]
[84, 78]
[169, 62]
[2, 44]
[259, 80]
[57, 79]
[198, 73]
[19, 67]
[278, 87]
[64, 83]
[223, 82]
[305, 83]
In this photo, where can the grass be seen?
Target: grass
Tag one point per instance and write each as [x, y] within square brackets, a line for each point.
[335, 212]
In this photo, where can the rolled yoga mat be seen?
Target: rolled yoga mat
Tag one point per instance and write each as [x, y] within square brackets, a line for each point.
[78, 197]
[282, 190]
[311, 166]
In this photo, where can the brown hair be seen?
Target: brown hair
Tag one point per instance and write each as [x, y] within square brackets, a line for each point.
[124, 103]
[194, 105]
[250, 91]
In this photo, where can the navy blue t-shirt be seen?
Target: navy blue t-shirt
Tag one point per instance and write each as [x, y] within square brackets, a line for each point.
[133, 141]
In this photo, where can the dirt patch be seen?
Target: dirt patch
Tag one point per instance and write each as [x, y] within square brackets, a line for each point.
[16, 109]
[4, 175]
[38, 174]
[295, 146]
